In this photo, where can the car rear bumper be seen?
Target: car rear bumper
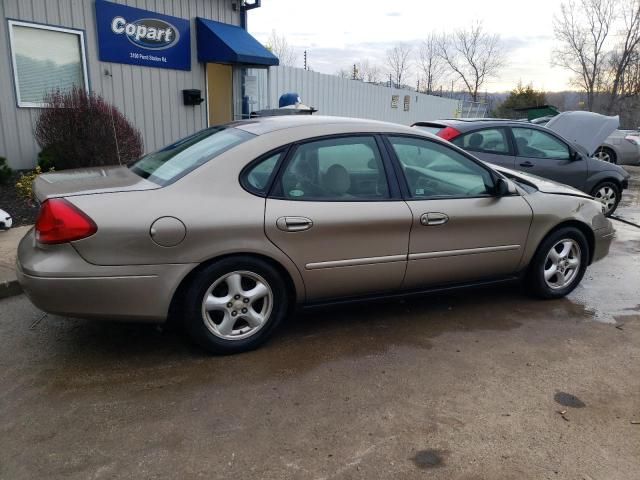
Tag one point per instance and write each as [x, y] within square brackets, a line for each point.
[57, 280]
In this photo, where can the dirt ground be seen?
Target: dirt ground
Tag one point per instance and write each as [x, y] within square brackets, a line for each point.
[483, 384]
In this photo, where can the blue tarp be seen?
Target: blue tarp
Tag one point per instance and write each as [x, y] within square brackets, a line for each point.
[224, 43]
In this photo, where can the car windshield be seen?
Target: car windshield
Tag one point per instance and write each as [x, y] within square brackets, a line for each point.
[176, 160]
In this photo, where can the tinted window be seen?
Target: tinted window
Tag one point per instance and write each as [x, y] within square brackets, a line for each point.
[434, 170]
[176, 160]
[257, 178]
[537, 144]
[490, 140]
[345, 168]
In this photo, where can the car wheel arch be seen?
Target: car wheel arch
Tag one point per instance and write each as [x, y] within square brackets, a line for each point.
[178, 295]
[585, 229]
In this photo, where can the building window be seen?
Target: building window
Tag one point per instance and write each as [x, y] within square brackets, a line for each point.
[45, 59]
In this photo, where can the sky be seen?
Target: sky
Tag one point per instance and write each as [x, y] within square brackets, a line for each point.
[339, 33]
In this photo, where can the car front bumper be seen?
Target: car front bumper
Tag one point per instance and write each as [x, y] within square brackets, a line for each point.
[603, 238]
[58, 280]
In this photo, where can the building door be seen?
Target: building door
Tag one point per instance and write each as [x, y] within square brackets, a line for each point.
[219, 93]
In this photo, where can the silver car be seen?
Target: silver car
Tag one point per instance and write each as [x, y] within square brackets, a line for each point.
[230, 229]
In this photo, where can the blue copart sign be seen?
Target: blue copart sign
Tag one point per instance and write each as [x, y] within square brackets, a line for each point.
[140, 37]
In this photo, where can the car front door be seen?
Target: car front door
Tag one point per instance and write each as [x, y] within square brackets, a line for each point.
[545, 155]
[461, 231]
[333, 211]
[489, 144]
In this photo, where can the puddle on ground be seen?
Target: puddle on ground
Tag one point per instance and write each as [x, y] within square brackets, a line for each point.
[430, 458]
[568, 400]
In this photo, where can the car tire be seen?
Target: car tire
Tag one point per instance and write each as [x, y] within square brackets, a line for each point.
[235, 304]
[606, 155]
[556, 275]
[608, 193]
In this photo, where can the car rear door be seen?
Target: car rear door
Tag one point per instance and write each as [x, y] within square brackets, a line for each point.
[545, 155]
[491, 144]
[335, 213]
[460, 231]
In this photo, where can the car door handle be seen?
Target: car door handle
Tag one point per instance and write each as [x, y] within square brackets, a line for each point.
[526, 164]
[433, 218]
[294, 224]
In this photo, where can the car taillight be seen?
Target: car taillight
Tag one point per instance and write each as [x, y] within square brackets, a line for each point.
[448, 133]
[60, 222]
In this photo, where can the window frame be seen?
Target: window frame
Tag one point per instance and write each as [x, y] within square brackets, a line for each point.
[507, 134]
[389, 172]
[404, 184]
[283, 151]
[545, 131]
[41, 26]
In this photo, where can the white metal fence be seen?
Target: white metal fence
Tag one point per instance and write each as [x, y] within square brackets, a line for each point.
[333, 95]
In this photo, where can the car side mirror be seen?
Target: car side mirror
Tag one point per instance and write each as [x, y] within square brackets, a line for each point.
[501, 188]
[574, 155]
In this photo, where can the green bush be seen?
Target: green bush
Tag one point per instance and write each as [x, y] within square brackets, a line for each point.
[5, 171]
[46, 159]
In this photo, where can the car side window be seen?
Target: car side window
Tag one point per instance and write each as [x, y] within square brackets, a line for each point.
[534, 143]
[489, 140]
[335, 169]
[433, 170]
[256, 179]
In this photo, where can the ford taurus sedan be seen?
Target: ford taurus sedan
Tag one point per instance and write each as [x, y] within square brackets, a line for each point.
[231, 228]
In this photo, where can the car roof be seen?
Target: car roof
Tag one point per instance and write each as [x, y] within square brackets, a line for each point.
[466, 124]
[262, 125]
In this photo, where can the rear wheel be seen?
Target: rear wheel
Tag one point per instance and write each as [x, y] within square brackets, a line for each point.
[235, 304]
[606, 155]
[559, 264]
[607, 193]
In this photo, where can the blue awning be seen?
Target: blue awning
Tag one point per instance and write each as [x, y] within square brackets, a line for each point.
[224, 43]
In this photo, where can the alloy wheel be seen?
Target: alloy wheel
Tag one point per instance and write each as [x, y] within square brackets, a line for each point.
[237, 305]
[562, 264]
[604, 155]
[607, 196]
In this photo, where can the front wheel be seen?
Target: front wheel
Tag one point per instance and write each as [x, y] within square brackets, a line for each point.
[608, 194]
[559, 264]
[235, 304]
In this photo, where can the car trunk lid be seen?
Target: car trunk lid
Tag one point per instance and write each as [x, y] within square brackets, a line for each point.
[88, 181]
[587, 129]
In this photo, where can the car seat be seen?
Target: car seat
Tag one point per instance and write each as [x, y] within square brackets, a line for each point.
[336, 181]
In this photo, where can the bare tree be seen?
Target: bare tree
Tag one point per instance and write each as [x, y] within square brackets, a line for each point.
[582, 30]
[431, 63]
[473, 55]
[368, 72]
[398, 62]
[279, 46]
[343, 73]
[623, 61]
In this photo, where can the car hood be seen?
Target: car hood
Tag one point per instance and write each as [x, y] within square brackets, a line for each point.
[542, 184]
[88, 181]
[587, 129]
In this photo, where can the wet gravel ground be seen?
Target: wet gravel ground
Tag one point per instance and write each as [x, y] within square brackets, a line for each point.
[483, 384]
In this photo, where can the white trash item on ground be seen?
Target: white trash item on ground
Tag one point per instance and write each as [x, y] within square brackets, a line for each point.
[5, 220]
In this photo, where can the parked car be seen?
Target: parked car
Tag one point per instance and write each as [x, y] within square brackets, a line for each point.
[621, 147]
[229, 229]
[546, 151]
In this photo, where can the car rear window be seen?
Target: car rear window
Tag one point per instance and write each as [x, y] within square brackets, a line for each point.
[176, 160]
